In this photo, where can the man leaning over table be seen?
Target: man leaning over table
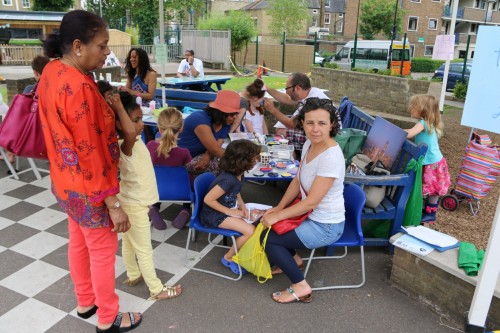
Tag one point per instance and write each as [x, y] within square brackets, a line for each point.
[190, 66]
[298, 89]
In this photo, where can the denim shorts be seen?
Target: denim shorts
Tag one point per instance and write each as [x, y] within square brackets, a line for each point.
[315, 234]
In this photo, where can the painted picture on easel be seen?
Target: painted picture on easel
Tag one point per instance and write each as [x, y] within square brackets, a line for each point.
[384, 141]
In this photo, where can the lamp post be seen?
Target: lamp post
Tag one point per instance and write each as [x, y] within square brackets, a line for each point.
[353, 64]
[393, 35]
[487, 3]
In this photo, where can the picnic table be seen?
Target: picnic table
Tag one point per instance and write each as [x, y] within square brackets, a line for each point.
[205, 81]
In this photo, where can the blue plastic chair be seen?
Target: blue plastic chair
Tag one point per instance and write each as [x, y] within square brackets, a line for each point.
[173, 184]
[201, 184]
[354, 200]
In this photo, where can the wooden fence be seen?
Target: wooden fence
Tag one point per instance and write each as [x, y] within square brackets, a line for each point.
[22, 55]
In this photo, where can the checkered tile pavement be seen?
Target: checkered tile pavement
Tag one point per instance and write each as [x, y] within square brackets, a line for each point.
[35, 285]
[36, 291]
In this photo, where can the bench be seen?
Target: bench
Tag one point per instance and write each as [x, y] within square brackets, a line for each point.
[180, 98]
[393, 206]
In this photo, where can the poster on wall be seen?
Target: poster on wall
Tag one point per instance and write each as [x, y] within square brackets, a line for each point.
[482, 103]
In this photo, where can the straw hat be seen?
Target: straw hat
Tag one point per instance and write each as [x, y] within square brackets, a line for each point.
[226, 101]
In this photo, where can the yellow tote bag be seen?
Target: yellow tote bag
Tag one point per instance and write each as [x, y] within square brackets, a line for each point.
[252, 256]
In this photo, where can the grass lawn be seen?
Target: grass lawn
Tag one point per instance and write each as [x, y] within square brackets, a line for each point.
[3, 91]
[239, 83]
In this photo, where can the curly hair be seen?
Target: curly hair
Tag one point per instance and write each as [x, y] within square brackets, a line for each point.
[427, 107]
[315, 103]
[239, 157]
[142, 68]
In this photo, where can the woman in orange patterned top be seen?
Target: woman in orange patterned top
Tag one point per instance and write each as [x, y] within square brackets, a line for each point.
[79, 130]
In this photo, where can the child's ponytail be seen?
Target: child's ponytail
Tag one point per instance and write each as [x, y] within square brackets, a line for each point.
[170, 124]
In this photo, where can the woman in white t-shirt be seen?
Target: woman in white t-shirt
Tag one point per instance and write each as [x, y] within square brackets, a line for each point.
[321, 182]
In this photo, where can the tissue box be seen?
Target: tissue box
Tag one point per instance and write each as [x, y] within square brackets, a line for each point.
[282, 152]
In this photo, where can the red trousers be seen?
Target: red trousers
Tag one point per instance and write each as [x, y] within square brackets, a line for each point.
[91, 255]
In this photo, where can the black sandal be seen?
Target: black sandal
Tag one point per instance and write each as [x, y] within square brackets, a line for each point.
[87, 314]
[115, 328]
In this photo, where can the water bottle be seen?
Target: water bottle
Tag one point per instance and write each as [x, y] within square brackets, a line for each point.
[152, 107]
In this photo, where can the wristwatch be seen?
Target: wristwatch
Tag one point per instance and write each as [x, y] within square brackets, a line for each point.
[115, 205]
[190, 64]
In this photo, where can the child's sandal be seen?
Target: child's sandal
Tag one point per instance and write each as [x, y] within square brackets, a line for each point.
[167, 292]
[133, 283]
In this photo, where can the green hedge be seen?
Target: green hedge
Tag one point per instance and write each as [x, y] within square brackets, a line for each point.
[21, 41]
[425, 65]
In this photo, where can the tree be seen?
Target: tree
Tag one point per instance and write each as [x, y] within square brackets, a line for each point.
[240, 23]
[377, 16]
[144, 13]
[288, 16]
[52, 5]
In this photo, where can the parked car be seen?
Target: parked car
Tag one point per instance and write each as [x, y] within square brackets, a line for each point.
[317, 58]
[454, 74]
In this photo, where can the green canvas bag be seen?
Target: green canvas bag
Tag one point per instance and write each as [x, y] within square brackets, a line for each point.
[351, 141]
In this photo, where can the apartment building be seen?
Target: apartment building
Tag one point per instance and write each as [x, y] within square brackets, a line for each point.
[470, 15]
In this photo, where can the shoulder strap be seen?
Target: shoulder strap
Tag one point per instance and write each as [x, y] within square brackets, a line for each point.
[298, 171]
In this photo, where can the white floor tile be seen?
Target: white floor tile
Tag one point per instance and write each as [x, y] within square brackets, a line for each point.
[39, 245]
[44, 182]
[9, 184]
[4, 223]
[2, 249]
[31, 316]
[7, 201]
[119, 266]
[163, 235]
[42, 199]
[33, 278]
[170, 258]
[44, 219]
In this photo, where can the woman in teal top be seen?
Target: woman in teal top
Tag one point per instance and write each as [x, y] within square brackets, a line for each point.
[435, 175]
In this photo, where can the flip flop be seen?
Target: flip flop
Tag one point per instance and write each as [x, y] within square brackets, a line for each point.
[87, 314]
[233, 266]
[304, 299]
[115, 328]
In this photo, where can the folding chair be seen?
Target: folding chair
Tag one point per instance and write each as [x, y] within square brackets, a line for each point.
[13, 169]
[354, 200]
[201, 184]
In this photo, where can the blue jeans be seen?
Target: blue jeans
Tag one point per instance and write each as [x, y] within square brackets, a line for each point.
[280, 249]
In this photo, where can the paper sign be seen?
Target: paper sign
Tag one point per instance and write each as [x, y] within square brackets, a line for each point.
[482, 105]
[112, 60]
[443, 47]
[161, 53]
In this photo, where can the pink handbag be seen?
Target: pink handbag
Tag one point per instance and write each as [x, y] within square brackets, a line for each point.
[21, 130]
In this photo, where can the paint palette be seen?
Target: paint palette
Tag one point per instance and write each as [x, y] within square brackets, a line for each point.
[258, 173]
[286, 175]
[281, 165]
[266, 169]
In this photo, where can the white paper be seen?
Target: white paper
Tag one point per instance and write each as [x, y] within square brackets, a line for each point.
[431, 236]
[413, 245]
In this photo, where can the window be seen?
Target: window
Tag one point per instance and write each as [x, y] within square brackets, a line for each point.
[473, 28]
[26, 3]
[327, 18]
[461, 54]
[428, 50]
[327, 3]
[7, 2]
[341, 15]
[340, 26]
[433, 23]
[378, 54]
[417, 1]
[412, 23]
[436, 0]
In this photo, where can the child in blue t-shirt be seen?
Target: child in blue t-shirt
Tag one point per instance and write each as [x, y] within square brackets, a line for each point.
[223, 206]
[435, 175]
